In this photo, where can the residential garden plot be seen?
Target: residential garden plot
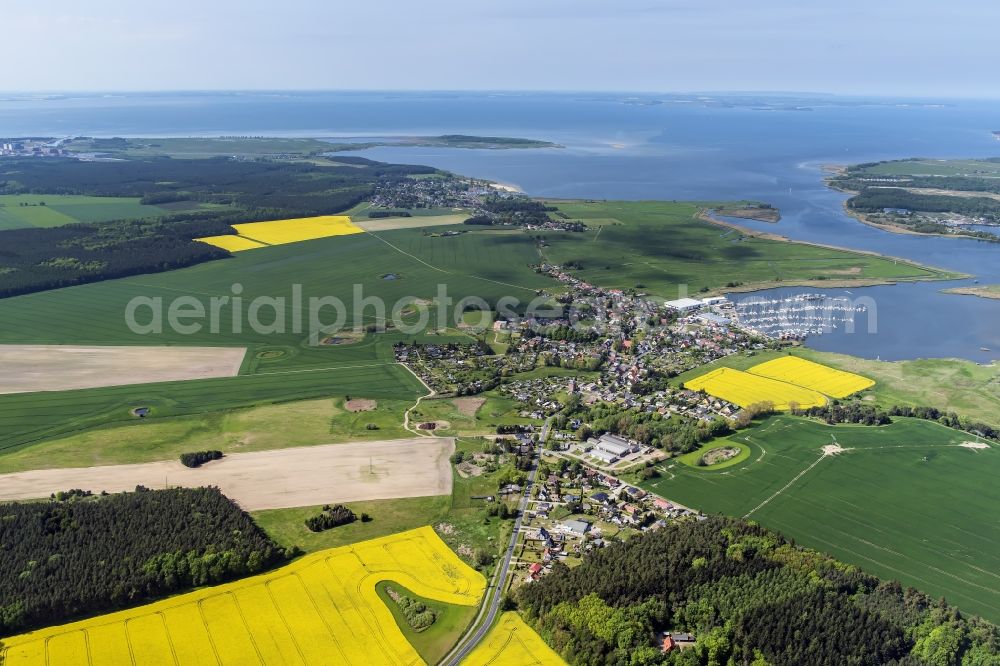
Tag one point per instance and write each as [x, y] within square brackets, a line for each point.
[302, 476]
[913, 501]
[743, 389]
[815, 376]
[511, 642]
[322, 609]
[29, 368]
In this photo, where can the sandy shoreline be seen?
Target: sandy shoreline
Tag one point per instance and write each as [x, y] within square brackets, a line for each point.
[507, 187]
[991, 291]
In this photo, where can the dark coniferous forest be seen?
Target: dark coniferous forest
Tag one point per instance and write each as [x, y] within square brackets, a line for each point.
[80, 554]
[238, 191]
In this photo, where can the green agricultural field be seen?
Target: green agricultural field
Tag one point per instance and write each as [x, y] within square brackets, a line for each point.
[964, 387]
[904, 501]
[281, 366]
[29, 418]
[19, 211]
[263, 428]
[661, 245]
[471, 264]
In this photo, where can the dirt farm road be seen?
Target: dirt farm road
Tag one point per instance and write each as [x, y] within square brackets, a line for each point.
[302, 476]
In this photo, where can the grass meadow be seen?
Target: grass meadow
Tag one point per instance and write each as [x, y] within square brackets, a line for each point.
[661, 245]
[904, 501]
[434, 642]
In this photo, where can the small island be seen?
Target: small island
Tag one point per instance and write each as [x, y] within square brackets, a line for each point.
[751, 210]
[981, 290]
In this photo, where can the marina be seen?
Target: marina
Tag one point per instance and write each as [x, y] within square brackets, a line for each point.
[797, 316]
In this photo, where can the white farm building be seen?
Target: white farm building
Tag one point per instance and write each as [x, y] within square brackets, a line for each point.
[604, 456]
[615, 444]
[684, 304]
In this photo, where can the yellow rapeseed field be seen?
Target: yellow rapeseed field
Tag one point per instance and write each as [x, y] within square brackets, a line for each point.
[232, 242]
[321, 609]
[511, 642]
[816, 376]
[280, 232]
[742, 388]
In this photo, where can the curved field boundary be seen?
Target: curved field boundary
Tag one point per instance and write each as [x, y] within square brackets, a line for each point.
[322, 606]
[511, 642]
[691, 459]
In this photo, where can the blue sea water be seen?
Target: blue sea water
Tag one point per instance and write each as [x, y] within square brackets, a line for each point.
[709, 147]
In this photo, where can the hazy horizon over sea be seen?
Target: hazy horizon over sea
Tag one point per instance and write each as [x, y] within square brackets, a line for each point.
[642, 146]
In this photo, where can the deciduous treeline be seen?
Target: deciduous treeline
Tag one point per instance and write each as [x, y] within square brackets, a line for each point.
[749, 597]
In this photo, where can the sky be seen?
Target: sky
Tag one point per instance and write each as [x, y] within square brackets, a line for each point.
[873, 47]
